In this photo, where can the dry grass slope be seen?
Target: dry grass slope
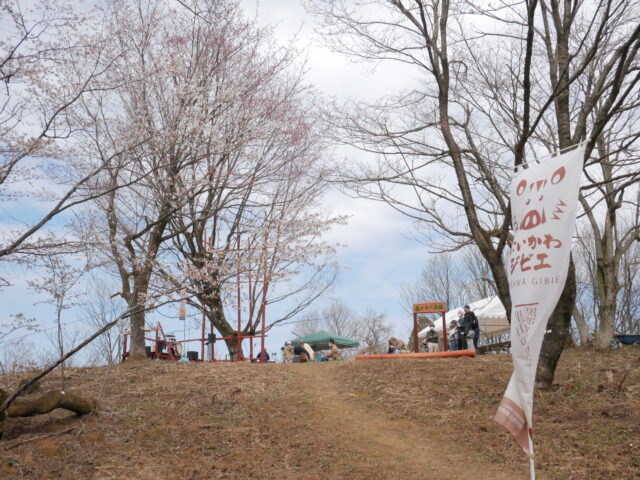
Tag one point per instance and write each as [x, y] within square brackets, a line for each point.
[587, 428]
[356, 420]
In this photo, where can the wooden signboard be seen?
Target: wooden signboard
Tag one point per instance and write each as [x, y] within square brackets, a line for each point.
[431, 307]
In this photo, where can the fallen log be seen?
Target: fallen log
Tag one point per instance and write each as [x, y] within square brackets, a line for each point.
[45, 403]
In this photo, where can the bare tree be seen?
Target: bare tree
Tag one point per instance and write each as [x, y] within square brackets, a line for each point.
[628, 313]
[58, 285]
[613, 196]
[15, 356]
[441, 279]
[336, 318]
[369, 328]
[102, 307]
[622, 275]
[584, 293]
[486, 93]
[476, 274]
[376, 333]
[14, 323]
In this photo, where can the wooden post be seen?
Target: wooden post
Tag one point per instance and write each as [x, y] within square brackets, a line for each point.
[445, 343]
[415, 332]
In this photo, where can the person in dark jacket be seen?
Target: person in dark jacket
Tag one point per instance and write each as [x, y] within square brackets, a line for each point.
[431, 342]
[300, 354]
[472, 325]
[461, 331]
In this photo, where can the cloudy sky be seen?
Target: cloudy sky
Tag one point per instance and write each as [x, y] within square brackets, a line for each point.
[379, 254]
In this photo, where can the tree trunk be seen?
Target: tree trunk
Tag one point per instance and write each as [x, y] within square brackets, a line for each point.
[607, 282]
[215, 313]
[502, 286]
[583, 329]
[606, 325]
[138, 299]
[558, 327]
[138, 351]
[232, 345]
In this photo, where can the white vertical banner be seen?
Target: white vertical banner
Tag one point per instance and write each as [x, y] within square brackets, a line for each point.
[544, 202]
[182, 313]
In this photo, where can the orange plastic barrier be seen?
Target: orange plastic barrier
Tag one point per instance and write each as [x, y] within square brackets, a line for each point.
[453, 354]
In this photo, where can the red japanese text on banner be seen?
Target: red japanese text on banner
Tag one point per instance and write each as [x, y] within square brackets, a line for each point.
[544, 199]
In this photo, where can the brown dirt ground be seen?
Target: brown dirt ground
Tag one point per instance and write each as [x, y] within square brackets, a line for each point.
[388, 419]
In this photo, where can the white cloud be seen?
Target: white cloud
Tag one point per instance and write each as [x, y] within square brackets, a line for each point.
[377, 256]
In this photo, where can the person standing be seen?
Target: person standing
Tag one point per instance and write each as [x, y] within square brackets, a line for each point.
[461, 331]
[472, 325]
[432, 340]
[287, 354]
[453, 335]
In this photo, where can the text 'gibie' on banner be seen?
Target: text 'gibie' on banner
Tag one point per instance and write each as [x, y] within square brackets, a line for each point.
[544, 200]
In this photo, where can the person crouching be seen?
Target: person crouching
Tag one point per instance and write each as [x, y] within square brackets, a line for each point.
[334, 353]
[432, 340]
[300, 354]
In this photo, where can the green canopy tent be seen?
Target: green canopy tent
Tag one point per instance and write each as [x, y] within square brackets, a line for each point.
[320, 341]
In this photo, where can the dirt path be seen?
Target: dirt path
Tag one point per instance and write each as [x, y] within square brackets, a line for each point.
[375, 446]
[234, 422]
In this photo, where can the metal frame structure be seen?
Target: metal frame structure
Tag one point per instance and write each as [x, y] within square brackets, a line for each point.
[211, 338]
[157, 352]
[174, 349]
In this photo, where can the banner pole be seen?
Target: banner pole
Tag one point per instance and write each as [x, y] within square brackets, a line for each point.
[532, 460]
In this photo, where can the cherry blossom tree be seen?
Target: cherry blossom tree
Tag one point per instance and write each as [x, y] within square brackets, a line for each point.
[209, 141]
[260, 239]
[41, 40]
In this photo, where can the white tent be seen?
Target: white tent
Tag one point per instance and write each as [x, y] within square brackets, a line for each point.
[491, 314]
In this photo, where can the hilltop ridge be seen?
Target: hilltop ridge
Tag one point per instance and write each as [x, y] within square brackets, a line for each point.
[358, 420]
